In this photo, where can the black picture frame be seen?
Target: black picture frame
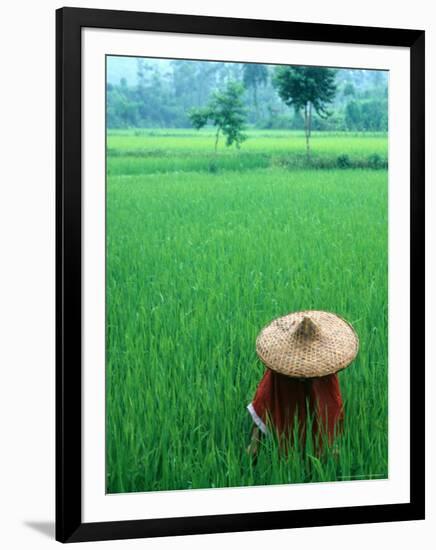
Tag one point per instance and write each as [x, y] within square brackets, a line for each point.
[69, 525]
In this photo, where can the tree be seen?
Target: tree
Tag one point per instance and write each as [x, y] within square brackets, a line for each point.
[349, 90]
[253, 76]
[353, 115]
[306, 89]
[367, 115]
[226, 112]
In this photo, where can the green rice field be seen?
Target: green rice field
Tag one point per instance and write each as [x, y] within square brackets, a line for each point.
[203, 250]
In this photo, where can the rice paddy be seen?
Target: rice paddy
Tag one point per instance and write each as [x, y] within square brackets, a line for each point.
[203, 250]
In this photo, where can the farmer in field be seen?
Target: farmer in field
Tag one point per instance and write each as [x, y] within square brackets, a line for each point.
[299, 392]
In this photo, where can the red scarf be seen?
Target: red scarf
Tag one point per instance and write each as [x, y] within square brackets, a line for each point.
[281, 400]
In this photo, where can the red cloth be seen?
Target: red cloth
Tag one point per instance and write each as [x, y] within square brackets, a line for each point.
[282, 400]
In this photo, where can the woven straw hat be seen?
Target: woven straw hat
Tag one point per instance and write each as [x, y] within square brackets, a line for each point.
[307, 344]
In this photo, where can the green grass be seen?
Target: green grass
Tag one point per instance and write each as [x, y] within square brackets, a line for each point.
[197, 264]
[147, 152]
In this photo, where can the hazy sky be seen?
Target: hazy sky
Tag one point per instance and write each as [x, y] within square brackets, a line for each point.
[119, 67]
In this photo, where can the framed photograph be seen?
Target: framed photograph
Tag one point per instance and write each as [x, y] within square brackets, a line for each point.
[240, 274]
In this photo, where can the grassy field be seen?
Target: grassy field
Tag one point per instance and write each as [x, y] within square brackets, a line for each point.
[198, 261]
[150, 151]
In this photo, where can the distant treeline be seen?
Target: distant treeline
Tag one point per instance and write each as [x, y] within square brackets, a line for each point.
[161, 93]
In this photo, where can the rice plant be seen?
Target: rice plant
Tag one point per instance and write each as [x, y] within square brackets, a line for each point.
[198, 261]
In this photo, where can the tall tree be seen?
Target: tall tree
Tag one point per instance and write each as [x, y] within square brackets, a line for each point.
[226, 112]
[253, 76]
[306, 89]
[349, 90]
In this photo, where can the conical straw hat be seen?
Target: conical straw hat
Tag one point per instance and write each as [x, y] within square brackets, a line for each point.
[307, 344]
